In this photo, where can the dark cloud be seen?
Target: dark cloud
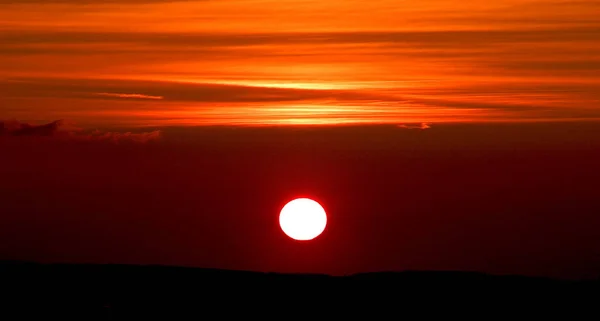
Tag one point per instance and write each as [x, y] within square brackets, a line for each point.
[15, 128]
[530, 13]
[514, 52]
[118, 137]
[590, 66]
[171, 91]
[60, 130]
[446, 38]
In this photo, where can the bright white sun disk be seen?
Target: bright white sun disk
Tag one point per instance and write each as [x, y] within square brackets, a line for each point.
[302, 219]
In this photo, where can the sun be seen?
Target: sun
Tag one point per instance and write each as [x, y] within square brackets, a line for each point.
[303, 219]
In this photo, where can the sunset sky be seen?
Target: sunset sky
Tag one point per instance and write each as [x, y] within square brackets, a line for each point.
[157, 62]
[471, 137]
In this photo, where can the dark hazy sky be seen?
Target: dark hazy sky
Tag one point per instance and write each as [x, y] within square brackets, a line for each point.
[504, 198]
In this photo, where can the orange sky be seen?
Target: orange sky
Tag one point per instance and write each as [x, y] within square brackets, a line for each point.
[158, 62]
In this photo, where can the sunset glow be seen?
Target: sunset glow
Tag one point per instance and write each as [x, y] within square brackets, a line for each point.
[267, 62]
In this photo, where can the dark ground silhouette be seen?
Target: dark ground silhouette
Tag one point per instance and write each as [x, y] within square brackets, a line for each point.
[125, 292]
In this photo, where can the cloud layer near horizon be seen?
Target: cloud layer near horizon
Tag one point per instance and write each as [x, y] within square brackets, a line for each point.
[60, 130]
[298, 62]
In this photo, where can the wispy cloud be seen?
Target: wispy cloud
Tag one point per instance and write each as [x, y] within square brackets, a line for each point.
[175, 91]
[268, 61]
[133, 96]
[189, 103]
[417, 126]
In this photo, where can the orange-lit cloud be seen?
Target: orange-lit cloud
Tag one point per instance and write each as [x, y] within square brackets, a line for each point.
[136, 62]
[419, 126]
[132, 96]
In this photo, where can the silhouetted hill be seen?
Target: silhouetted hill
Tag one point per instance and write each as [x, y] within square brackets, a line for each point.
[125, 292]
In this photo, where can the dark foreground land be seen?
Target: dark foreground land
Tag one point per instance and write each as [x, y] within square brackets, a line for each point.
[120, 292]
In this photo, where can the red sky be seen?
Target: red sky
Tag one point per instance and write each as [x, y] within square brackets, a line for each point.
[496, 198]
[137, 63]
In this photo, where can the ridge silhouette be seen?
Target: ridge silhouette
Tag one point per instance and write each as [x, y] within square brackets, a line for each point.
[130, 292]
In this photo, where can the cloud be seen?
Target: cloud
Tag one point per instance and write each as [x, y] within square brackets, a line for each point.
[172, 91]
[413, 126]
[118, 137]
[60, 129]
[15, 128]
[134, 96]
[187, 41]
[87, 2]
[521, 59]
[114, 102]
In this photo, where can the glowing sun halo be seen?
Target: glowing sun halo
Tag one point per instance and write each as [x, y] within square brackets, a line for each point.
[302, 219]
